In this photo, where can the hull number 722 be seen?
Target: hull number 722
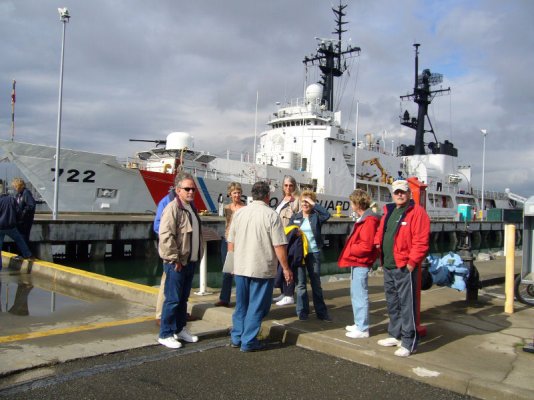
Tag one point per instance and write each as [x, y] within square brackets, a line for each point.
[73, 175]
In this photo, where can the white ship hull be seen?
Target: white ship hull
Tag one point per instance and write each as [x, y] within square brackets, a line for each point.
[89, 182]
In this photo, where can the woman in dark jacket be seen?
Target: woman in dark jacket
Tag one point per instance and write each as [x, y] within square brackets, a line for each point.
[359, 254]
[309, 220]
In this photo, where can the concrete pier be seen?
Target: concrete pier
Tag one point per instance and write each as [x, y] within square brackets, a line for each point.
[473, 350]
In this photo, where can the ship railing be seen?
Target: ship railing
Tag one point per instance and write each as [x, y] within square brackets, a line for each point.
[489, 194]
[220, 176]
[303, 107]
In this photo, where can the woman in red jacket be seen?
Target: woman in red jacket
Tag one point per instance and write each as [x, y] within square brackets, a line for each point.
[359, 254]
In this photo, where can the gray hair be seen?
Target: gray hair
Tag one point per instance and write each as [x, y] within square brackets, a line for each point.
[290, 179]
[182, 176]
[260, 190]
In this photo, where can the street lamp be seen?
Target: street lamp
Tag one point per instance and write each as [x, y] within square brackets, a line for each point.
[484, 134]
[64, 17]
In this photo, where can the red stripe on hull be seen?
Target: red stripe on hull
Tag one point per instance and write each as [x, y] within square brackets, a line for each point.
[159, 184]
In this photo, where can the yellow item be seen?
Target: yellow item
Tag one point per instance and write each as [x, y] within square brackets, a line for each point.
[288, 229]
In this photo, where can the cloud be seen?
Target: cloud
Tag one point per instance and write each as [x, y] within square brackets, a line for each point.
[136, 69]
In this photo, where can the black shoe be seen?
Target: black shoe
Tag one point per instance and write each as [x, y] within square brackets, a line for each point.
[235, 345]
[303, 317]
[326, 318]
[258, 347]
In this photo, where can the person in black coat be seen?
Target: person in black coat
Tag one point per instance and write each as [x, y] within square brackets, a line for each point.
[26, 208]
[8, 225]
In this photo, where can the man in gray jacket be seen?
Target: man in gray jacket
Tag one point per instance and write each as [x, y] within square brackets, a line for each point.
[180, 247]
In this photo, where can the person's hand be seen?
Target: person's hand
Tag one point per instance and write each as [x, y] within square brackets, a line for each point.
[288, 275]
[309, 201]
[177, 266]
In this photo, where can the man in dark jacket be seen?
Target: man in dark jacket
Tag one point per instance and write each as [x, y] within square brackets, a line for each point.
[8, 225]
[403, 237]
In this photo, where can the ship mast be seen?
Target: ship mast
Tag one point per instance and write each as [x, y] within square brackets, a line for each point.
[422, 96]
[331, 58]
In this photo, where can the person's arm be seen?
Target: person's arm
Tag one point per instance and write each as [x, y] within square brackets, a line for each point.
[29, 201]
[168, 231]
[322, 213]
[420, 239]
[281, 254]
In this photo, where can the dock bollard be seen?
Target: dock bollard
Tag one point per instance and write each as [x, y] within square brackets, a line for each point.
[203, 279]
[473, 281]
[509, 245]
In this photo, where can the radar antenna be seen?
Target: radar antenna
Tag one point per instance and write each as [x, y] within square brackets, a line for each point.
[331, 58]
[423, 96]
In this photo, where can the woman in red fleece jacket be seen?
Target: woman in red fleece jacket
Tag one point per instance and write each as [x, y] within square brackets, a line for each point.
[359, 254]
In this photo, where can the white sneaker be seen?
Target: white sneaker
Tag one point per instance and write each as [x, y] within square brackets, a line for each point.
[186, 336]
[352, 328]
[170, 342]
[278, 298]
[402, 352]
[286, 300]
[389, 342]
[357, 334]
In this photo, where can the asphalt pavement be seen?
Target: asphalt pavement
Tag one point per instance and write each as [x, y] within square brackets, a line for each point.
[211, 369]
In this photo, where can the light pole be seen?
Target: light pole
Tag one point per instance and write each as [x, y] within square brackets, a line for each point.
[484, 134]
[64, 18]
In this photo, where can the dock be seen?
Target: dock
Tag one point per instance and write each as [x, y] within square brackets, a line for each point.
[89, 236]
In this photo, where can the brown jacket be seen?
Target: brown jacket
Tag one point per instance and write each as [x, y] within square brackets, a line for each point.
[176, 233]
[289, 209]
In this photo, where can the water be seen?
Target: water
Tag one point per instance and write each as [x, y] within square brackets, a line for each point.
[148, 271]
[21, 295]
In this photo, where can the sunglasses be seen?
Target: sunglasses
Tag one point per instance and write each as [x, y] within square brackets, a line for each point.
[189, 189]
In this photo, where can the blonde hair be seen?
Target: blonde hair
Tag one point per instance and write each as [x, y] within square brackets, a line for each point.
[308, 193]
[360, 199]
[18, 184]
[232, 186]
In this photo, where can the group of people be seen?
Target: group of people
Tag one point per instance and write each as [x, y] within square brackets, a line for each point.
[16, 217]
[259, 245]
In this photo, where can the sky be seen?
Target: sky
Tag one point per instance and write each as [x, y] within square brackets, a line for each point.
[139, 69]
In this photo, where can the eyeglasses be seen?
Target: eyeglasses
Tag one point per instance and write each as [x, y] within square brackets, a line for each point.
[290, 185]
[188, 189]
[399, 192]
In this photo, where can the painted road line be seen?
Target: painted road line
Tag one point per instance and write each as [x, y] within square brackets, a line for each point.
[73, 329]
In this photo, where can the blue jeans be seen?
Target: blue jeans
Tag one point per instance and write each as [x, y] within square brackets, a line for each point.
[177, 289]
[253, 302]
[359, 296]
[313, 267]
[14, 234]
[227, 279]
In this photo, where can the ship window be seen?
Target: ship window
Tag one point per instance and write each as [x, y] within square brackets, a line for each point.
[298, 123]
[292, 123]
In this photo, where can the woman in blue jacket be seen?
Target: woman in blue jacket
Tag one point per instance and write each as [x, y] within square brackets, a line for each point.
[309, 220]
